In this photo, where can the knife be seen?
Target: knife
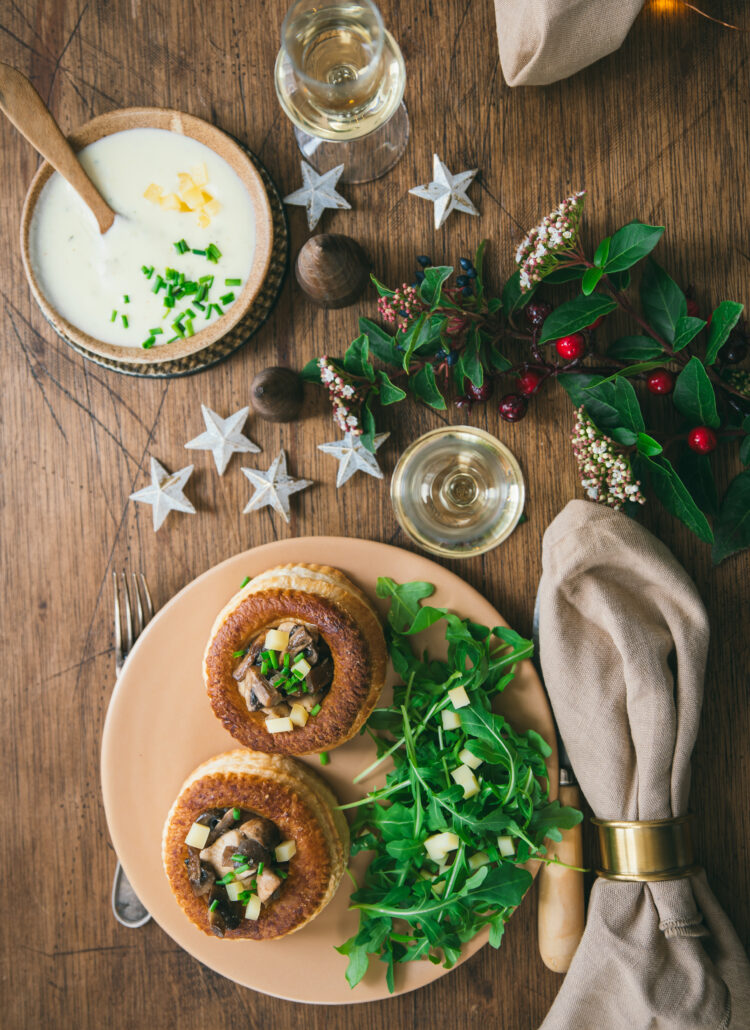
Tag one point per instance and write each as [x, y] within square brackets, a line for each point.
[560, 912]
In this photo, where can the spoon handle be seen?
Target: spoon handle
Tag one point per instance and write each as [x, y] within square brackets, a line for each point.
[26, 109]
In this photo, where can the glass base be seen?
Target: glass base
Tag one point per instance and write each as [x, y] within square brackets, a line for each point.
[364, 159]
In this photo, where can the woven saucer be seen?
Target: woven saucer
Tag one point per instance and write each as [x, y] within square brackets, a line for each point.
[257, 314]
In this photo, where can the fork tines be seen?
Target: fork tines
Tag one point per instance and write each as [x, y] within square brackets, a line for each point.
[132, 598]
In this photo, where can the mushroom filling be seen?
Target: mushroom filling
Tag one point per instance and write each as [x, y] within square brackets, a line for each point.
[285, 671]
[237, 862]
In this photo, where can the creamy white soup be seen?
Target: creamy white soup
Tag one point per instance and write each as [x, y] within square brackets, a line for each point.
[179, 251]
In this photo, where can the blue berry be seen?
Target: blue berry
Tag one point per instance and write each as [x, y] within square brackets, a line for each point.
[466, 291]
[420, 277]
[404, 313]
[465, 264]
[472, 273]
[452, 358]
[424, 261]
[462, 280]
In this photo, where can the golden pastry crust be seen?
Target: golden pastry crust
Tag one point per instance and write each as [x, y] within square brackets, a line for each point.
[324, 597]
[304, 810]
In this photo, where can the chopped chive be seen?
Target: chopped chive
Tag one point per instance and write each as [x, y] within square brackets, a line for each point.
[114, 315]
[260, 868]
[171, 273]
[169, 302]
[214, 904]
[244, 582]
[242, 868]
[264, 668]
[238, 857]
[179, 329]
[189, 327]
[208, 279]
[238, 654]
[148, 344]
[188, 313]
[282, 873]
[213, 253]
[155, 332]
[324, 758]
[125, 298]
[225, 880]
[227, 298]
[274, 659]
[233, 282]
[287, 660]
[200, 253]
[125, 321]
[158, 284]
[315, 710]
[201, 307]
[245, 896]
[148, 270]
[173, 339]
[236, 812]
[202, 291]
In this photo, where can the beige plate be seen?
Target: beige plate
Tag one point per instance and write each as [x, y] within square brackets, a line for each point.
[159, 727]
[236, 158]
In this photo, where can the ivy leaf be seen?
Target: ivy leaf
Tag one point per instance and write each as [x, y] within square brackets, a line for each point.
[687, 329]
[311, 372]
[513, 297]
[697, 475]
[602, 252]
[383, 290]
[357, 358]
[577, 314]
[676, 498]
[628, 408]
[565, 275]
[630, 244]
[389, 392]
[382, 344]
[432, 284]
[648, 446]
[694, 395]
[424, 385]
[590, 280]
[663, 301]
[733, 524]
[723, 321]
[635, 348]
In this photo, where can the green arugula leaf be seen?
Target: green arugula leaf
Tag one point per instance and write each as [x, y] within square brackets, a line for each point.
[389, 392]
[663, 301]
[404, 598]
[733, 523]
[723, 321]
[432, 284]
[630, 244]
[635, 348]
[575, 315]
[694, 395]
[687, 329]
[424, 386]
[382, 344]
[676, 498]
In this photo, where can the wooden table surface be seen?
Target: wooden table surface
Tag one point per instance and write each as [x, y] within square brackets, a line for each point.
[657, 131]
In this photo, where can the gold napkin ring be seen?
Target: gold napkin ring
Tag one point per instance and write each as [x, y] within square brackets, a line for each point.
[653, 849]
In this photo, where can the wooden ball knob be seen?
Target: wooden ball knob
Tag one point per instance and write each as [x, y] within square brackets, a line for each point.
[277, 394]
[333, 270]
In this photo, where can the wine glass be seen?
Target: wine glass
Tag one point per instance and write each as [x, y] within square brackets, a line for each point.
[457, 491]
[340, 78]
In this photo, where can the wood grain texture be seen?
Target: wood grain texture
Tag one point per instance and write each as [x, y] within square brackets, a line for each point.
[657, 131]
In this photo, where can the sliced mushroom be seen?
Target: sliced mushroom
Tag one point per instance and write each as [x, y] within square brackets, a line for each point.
[225, 823]
[257, 692]
[261, 830]
[279, 711]
[214, 855]
[320, 675]
[268, 884]
[299, 639]
[201, 877]
[309, 701]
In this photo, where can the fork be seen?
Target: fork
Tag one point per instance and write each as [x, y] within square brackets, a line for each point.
[138, 610]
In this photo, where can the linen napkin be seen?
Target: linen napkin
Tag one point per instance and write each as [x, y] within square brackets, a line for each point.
[623, 641]
[542, 41]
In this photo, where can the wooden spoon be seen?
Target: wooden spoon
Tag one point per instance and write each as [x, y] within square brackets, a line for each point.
[26, 109]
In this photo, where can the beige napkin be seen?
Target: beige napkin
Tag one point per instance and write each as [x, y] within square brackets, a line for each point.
[542, 41]
[623, 640]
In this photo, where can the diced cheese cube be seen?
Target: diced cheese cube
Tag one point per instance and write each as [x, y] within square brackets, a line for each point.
[286, 850]
[199, 174]
[451, 719]
[506, 846]
[459, 697]
[193, 197]
[234, 889]
[153, 192]
[276, 640]
[438, 846]
[470, 759]
[186, 181]
[197, 835]
[253, 907]
[212, 207]
[171, 202]
[302, 665]
[203, 220]
[284, 725]
[466, 778]
[478, 859]
[299, 715]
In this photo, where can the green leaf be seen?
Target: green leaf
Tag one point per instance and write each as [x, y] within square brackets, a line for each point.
[628, 408]
[357, 359]
[389, 392]
[624, 436]
[630, 244]
[411, 338]
[367, 420]
[494, 304]
[382, 344]
[471, 362]
[479, 268]
[405, 600]
[663, 301]
[694, 395]
[555, 816]
[676, 498]
[565, 275]
[648, 446]
[733, 524]
[311, 372]
[620, 280]
[513, 298]
[635, 348]
[686, 330]
[697, 474]
[599, 404]
[574, 315]
[632, 370]
[497, 361]
[383, 290]
[723, 321]
[590, 280]
[745, 450]
[431, 287]
[602, 252]
[424, 386]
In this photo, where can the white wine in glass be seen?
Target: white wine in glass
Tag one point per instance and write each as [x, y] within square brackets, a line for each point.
[340, 78]
[457, 491]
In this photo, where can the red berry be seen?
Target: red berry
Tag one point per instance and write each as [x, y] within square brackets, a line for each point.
[528, 382]
[479, 393]
[571, 347]
[537, 312]
[692, 308]
[660, 381]
[512, 407]
[464, 403]
[702, 440]
[596, 324]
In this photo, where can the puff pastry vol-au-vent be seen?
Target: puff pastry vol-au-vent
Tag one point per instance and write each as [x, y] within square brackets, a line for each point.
[296, 660]
[254, 846]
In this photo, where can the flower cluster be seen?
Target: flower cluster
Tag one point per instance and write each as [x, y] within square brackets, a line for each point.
[604, 469]
[342, 395]
[538, 253]
[401, 307]
[739, 378]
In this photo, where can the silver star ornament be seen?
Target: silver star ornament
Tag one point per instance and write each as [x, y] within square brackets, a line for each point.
[446, 191]
[223, 437]
[318, 193]
[354, 457]
[166, 492]
[273, 487]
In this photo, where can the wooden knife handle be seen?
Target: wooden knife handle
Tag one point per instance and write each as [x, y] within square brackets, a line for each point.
[560, 908]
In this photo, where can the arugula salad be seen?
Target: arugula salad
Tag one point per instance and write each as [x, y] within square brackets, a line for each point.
[464, 805]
